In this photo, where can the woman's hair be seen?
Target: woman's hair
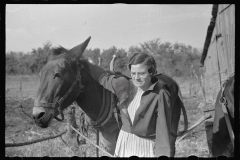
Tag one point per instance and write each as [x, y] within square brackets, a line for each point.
[143, 58]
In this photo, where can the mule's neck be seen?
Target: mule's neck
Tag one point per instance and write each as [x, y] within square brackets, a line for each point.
[97, 72]
[90, 100]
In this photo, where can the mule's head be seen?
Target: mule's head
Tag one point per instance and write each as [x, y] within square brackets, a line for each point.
[60, 84]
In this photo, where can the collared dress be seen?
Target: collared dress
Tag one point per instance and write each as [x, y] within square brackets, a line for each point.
[129, 144]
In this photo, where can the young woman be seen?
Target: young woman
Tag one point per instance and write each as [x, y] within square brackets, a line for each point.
[143, 102]
[142, 69]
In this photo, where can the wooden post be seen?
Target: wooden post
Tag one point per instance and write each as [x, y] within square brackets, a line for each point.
[112, 63]
[191, 79]
[20, 86]
[190, 88]
[208, 108]
[97, 150]
[99, 61]
[71, 120]
[209, 128]
[20, 89]
[82, 130]
[202, 87]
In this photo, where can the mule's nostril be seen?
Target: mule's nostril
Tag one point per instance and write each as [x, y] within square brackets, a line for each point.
[40, 115]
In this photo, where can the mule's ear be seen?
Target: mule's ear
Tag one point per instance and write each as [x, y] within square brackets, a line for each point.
[79, 49]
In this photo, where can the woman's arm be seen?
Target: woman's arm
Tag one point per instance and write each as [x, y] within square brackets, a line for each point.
[118, 85]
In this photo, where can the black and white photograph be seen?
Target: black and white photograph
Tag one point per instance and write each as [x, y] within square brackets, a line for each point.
[120, 80]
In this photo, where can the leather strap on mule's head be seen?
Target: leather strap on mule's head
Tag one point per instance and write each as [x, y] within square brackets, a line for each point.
[57, 105]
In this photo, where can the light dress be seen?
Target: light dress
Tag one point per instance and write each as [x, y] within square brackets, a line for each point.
[129, 144]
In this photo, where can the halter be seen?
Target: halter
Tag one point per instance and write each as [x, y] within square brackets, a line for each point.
[57, 105]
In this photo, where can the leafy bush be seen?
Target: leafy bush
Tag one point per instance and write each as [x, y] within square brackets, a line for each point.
[172, 59]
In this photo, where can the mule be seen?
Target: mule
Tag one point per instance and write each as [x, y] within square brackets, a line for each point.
[67, 77]
[221, 141]
[61, 84]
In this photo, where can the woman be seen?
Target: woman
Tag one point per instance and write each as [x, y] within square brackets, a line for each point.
[143, 102]
[142, 69]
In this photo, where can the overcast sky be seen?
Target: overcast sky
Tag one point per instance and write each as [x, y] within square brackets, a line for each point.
[121, 25]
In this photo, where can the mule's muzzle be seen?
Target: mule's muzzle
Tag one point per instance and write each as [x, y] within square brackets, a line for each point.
[41, 117]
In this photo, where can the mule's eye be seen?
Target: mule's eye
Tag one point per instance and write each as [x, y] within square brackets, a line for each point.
[57, 75]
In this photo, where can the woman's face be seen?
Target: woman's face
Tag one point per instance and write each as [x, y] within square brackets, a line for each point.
[140, 76]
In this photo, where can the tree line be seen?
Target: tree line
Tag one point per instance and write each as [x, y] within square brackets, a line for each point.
[173, 59]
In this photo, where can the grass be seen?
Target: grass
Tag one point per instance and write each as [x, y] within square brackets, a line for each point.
[20, 128]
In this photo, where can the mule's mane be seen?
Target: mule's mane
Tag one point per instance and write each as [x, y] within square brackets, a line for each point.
[88, 65]
[59, 50]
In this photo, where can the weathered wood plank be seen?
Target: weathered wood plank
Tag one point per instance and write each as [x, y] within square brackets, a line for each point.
[220, 60]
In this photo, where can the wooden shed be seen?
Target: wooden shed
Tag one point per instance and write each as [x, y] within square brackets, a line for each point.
[218, 58]
[218, 55]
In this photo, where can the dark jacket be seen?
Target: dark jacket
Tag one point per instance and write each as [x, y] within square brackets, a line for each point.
[150, 121]
[154, 118]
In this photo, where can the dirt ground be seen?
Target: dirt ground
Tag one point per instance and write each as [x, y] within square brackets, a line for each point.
[20, 128]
